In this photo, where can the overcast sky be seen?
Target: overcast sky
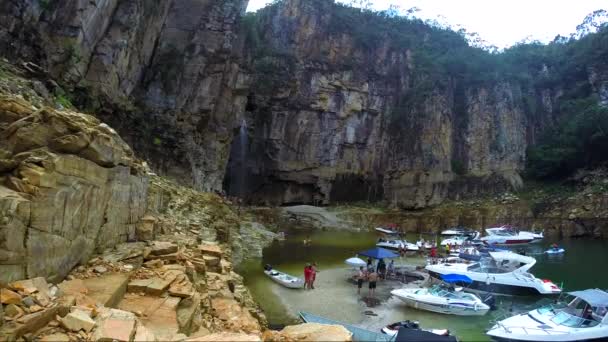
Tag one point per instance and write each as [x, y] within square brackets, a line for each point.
[499, 22]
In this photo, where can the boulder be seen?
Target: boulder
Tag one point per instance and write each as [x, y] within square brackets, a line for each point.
[162, 248]
[213, 250]
[30, 286]
[143, 334]
[145, 229]
[227, 337]
[316, 332]
[78, 320]
[9, 297]
[56, 337]
[138, 285]
[114, 325]
[157, 286]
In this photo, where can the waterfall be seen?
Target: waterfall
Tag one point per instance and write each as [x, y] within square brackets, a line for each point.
[241, 172]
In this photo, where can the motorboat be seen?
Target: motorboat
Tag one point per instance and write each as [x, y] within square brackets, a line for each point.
[458, 231]
[581, 319]
[455, 240]
[508, 230]
[284, 278]
[393, 329]
[444, 299]
[506, 237]
[396, 244]
[390, 229]
[504, 273]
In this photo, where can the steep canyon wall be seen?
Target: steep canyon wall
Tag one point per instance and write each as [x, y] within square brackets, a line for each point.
[337, 117]
[336, 104]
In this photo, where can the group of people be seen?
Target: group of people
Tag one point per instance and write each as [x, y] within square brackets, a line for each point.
[372, 274]
[310, 275]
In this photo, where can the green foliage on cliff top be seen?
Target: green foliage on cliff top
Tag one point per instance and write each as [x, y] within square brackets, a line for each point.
[579, 140]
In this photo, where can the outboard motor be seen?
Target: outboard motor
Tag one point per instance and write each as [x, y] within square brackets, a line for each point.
[267, 267]
[490, 301]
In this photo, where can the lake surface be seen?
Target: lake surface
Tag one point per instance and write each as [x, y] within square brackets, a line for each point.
[581, 267]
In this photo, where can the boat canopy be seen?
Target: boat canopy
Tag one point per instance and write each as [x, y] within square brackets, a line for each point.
[379, 253]
[454, 278]
[595, 297]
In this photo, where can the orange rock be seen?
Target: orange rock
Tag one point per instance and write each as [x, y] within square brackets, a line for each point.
[9, 297]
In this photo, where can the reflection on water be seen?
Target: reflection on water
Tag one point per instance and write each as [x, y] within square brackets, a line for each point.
[576, 269]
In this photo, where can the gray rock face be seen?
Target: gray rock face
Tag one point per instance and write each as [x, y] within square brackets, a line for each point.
[323, 129]
[174, 59]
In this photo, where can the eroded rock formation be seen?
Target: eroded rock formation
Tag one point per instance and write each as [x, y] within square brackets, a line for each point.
[70, 187]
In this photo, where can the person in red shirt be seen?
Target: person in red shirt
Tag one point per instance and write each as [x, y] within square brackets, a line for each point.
[307, 276]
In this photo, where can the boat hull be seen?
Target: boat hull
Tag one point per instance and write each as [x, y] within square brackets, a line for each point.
[448, 309]
[495, 288]
[298, 284]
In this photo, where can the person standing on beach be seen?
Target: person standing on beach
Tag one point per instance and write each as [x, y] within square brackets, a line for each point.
[372, 278]
[307, 274]
[313, 275]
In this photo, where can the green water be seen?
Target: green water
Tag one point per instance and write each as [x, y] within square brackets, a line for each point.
[582, 266]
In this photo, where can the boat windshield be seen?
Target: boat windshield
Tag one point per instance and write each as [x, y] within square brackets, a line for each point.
[443, 292]
[573, 321]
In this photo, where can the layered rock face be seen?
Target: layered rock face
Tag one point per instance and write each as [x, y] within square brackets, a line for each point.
[329, 119]
[70, 187]
[173, 59]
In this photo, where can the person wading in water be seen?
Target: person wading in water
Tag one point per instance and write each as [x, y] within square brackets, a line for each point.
[360, 279]
[372, 278]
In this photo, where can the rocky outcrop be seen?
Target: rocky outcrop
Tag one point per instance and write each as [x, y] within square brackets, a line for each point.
[174, 60]
[70, 187]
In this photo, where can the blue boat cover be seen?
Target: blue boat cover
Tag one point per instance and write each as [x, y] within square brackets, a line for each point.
[379, 253]
[454, 278]
[595, 297]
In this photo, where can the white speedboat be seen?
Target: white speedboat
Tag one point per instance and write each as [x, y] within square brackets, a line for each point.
[284, 278]
[396, 244]
[442, 300]
[510, 231]
[505, 237]
[387, 230]
[503, 273]
[458, 231]
[581, 319]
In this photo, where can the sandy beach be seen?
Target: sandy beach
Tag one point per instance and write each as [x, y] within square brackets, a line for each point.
[335, 297]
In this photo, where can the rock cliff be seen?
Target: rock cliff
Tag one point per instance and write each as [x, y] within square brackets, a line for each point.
[330, 103]
[164, 74]
[70, 186]
[337, 117]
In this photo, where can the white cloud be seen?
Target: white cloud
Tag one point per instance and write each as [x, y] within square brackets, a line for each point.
[500, 22]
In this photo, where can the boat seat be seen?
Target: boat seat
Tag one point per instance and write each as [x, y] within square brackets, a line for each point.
[274, 273]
